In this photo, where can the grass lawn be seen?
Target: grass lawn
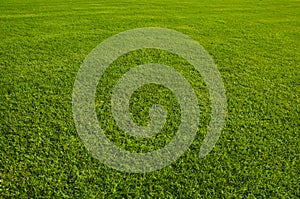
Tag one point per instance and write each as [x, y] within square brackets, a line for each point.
[255, 45]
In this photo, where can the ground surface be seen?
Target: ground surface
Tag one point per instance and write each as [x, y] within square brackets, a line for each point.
[255, 45]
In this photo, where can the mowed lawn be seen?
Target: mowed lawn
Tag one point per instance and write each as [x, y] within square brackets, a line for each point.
[255, 45]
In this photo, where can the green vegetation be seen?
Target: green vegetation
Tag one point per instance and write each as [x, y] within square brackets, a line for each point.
[255, 45]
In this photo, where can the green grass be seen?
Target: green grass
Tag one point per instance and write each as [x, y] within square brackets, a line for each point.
[255, 45]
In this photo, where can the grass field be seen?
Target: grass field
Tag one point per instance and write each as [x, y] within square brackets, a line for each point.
[255, 45]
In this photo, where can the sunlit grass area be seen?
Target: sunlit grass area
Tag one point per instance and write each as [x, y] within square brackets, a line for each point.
[255, 45]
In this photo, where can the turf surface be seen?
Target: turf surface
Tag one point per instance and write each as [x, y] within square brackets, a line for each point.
[255, 45]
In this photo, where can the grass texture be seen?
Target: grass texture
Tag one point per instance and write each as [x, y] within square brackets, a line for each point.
[255, 45]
